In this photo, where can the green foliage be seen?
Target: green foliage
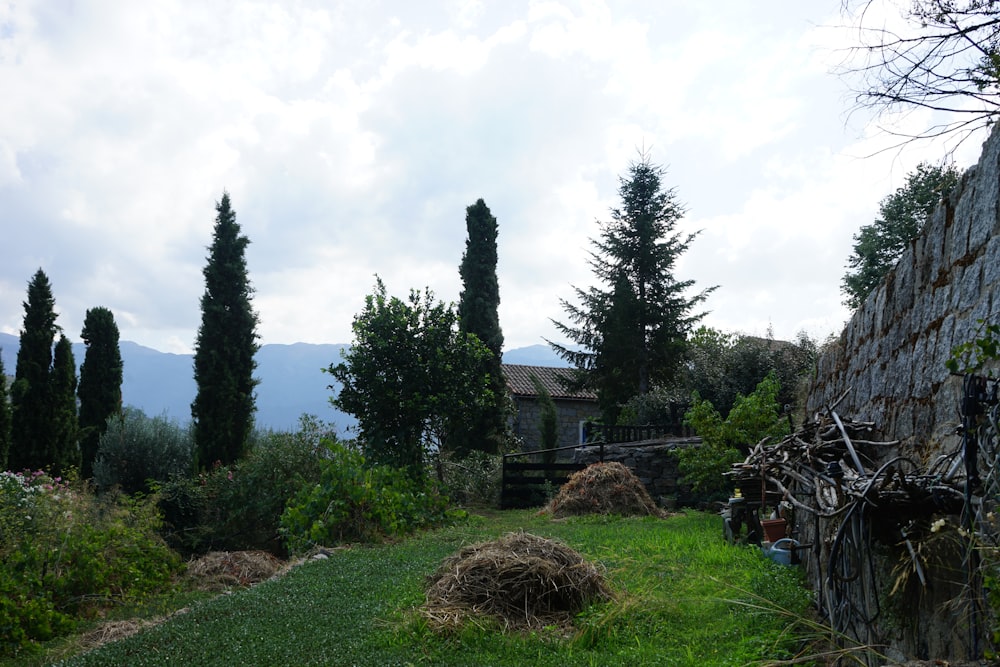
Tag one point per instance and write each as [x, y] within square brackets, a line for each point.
[100, 389]
[723, 366]
[630, 334]
[65, 556]
[137, 450]
[472, 480]
[971, 356]
[223, 409]
[753, 418]
[548, 420]
[409, 376]
[4, 418]
[478, 314]
[239, 507]
[65, 429]
[902, 215]
[686, 599]
[33, 413]
[357, 502]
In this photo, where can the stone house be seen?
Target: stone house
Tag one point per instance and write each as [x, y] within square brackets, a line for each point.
[572, 407]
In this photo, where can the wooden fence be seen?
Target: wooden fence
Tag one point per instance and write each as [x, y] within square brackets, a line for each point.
[528, 478]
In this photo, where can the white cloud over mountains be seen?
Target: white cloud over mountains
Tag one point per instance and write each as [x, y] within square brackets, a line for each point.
[351, 137]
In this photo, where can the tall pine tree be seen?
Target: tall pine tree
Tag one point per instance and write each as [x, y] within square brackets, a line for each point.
[4, 417]
[32, 409]
[478, 314]
[224, 363]
[630, 333]
[100, 389]
[62, 385]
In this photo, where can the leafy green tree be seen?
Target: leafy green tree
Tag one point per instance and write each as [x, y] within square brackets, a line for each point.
[223, 409]
[408, 376]
[878, 246]
[33, 412]
[100, 389]
[66, 430]
[753, 417]
[629, 335]
[4, 417]
[478, 314]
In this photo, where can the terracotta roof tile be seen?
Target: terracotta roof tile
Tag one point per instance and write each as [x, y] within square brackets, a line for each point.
[519, 381]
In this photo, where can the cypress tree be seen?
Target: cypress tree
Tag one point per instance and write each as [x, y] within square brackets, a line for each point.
[65, 449]
[222, 411]
[478, 314]
[32, 412]
[4, 417]
[100, 389]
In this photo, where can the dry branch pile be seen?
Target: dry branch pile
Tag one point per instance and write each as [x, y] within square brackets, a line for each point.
[603, 488]
[832, 462]
[520, 580]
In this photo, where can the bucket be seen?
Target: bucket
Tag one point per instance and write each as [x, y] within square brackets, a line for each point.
[781, 551]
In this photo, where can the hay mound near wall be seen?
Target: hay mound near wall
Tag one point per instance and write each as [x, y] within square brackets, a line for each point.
[520, 580]
[603, 488]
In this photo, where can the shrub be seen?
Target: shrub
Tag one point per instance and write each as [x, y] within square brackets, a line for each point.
[727, 441]
[65, 555]
[238, 507]
[136, 449]
[353, 502]
[473, 480]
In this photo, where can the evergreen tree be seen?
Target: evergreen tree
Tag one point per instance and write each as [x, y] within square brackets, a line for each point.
[32, 410]
[100, 389]
[4, 417]
[65, 448]
[630, 334]
[878, 246]
[478, 314]
[222, 411]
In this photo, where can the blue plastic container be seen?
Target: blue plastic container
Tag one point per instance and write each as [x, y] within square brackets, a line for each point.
[781, 551]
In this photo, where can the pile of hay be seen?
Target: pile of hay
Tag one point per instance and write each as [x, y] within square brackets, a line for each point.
[520, 580]
[603, 488]
[219, 570]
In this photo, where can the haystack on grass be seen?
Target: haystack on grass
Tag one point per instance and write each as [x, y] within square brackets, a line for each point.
[520, 581]
[603, 488]
[218, 570]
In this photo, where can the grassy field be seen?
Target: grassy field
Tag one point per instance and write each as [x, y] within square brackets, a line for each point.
[684, 597]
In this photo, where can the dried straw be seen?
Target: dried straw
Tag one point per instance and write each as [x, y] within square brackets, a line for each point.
[520, 580]
[219, 570]
[603, 488]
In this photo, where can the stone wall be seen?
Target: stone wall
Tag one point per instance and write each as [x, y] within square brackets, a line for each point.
[654, 464]
[891, 355]
[570, 413]
[889, 367]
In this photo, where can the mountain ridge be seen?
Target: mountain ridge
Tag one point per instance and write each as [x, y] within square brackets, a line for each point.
[292, 382]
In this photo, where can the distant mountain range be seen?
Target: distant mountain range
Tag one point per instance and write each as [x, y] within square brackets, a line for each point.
[291, 379]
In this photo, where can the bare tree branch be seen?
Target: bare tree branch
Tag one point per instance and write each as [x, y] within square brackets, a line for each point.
[945, 59]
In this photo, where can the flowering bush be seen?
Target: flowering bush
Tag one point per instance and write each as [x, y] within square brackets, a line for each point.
[65, 554]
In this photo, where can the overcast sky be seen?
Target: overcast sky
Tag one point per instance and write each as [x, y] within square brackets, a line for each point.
[352, 135]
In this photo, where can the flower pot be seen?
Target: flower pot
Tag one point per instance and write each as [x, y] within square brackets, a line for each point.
[774, 529]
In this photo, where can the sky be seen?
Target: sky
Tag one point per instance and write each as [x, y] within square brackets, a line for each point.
[351, 137]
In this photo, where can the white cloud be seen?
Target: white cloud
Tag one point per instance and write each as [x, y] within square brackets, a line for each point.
[352, 137]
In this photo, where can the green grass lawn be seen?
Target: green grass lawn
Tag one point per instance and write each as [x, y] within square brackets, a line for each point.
[684, 597]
